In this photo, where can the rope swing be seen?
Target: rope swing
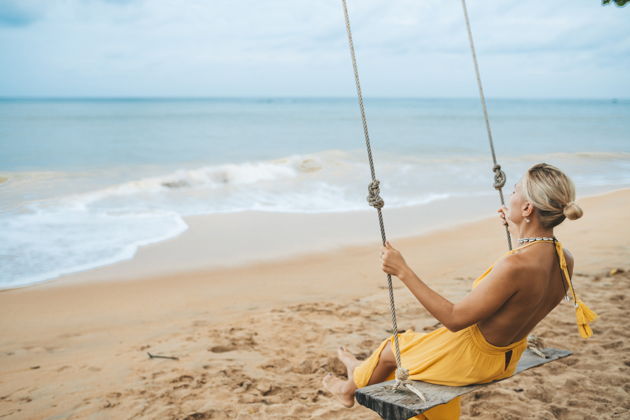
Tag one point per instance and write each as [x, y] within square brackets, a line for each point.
[374, 199]
[379, 397]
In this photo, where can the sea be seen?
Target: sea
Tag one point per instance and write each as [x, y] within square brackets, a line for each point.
[85, 182]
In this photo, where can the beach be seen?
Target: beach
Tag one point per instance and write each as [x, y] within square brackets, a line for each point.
[254, 338]
[186, 229]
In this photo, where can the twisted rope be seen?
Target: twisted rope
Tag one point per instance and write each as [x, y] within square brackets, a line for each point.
[375, 200]
[499, 175]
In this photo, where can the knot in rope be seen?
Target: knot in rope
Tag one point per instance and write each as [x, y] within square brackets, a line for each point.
[374, 197]
[402, 374]
[402, 381]
[535, 344]
[499, 177]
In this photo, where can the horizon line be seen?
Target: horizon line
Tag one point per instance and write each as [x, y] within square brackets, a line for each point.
[268, 97]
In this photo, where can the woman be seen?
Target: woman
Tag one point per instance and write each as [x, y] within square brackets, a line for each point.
[485, 334]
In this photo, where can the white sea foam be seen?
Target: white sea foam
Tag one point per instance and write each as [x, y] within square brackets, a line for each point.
[45, 244]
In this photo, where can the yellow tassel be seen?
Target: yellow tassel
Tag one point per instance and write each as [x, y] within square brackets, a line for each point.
[584, 315]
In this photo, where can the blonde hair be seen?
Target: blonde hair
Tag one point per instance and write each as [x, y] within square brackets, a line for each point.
[552, 193]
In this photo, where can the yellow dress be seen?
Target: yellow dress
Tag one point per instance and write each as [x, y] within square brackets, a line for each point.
[456, 358]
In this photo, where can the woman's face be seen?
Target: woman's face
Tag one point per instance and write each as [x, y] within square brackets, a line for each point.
[516, 204]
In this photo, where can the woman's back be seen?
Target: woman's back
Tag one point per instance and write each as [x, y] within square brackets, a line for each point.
[541, 287]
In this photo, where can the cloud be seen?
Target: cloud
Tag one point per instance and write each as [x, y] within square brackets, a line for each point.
[298, 48]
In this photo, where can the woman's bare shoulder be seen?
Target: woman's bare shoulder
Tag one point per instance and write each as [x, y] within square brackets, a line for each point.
[518, 266]
[522, 267]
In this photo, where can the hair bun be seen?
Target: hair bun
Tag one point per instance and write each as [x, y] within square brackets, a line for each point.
[572, 211]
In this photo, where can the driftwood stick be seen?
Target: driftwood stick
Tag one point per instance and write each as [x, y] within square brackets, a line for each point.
[157, 356]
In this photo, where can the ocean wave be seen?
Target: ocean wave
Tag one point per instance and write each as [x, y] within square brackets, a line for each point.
[230, 175]
[46, 231]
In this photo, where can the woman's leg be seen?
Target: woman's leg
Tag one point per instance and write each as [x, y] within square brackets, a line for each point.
[344, 390]
[386, 365]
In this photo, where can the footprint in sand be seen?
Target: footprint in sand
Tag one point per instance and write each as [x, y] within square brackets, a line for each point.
[613, 345]
[367, 344]
[183, 378]
[540, 393]
[333, 364]
[221, 349]
[201, 416]
[305, 367]
[559, 412]
[278, 365]
[109, 404]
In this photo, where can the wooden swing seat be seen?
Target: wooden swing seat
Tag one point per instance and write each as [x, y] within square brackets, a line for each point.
[403, 404]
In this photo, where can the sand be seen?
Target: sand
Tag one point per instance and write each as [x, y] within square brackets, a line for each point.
[254, 339]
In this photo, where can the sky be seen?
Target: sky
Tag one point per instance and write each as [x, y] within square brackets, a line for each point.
[298, 48]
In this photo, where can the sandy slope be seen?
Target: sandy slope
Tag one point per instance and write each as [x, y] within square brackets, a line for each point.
[256, 339]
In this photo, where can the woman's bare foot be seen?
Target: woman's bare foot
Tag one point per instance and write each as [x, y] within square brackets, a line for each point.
[348, 359]
[341, 389]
